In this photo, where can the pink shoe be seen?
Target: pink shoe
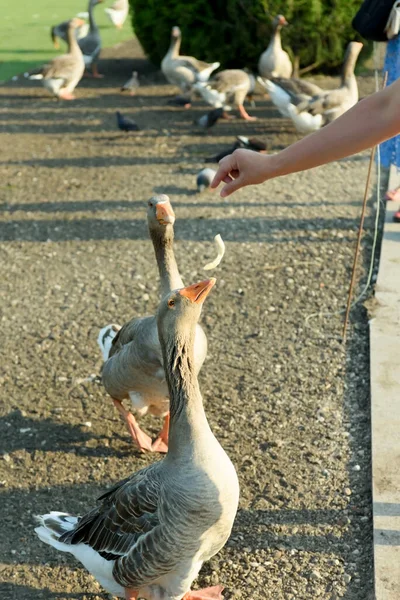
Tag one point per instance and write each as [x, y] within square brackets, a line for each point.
[393, 195]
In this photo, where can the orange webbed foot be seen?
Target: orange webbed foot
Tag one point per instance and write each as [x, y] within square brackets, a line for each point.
[210, 593]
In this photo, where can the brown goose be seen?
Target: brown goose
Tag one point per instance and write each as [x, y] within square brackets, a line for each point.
[133, 366]
[63, 73]
[309, 106]
[150, 534]
[231, 85]
[184, 71]
[274, 61]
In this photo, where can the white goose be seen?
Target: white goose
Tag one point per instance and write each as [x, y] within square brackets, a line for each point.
[309, 106]
[184, 71]
[118, 12]
[150, 534]
[133, 366]
[274, 61]
[231, 85]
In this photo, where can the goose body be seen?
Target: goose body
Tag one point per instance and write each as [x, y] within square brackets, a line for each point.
[63, 73]
[90, 45]
[150, 534]
[309, 106]
[231, 85]
[184, 71]
[118, 12]
[274, 61]
[134, 365]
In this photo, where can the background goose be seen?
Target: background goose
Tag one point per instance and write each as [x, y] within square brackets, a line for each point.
[311, 107]
[63, 73]
[118, 12]
[231, 85]
[61, 31]
[91, 43]
[133, 365]
[150, 534]
[184, 71]
[274, 61]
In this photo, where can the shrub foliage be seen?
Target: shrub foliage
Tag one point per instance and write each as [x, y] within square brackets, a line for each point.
[235, 32]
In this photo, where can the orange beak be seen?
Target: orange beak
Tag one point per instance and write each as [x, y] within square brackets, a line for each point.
[164, 213]
[198, 292]
[283, 21]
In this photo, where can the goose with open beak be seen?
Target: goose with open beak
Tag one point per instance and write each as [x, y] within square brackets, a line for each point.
[133, 367]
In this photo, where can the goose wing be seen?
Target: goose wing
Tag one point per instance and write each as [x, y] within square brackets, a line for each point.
[62, 67]
[321, 103]
[125, 513]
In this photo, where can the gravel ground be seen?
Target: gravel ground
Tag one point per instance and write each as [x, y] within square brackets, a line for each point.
[287, 400]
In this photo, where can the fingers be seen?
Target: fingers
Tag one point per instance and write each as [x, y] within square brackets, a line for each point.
[226, 165]
[232, 186]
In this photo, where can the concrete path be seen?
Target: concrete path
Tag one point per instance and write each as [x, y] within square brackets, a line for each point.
[385, 400]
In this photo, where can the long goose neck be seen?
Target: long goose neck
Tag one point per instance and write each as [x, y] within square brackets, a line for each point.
[276, 41]
[72, 42]
[92, 23]
[348, 67]
[188, 421]
[174, 47]
[170, 278]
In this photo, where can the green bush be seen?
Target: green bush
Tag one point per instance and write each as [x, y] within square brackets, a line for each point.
[235, 32]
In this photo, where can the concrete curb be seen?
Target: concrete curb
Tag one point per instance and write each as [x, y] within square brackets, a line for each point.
[385, 410]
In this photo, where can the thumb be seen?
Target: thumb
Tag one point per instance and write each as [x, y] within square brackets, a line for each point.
[232, 186]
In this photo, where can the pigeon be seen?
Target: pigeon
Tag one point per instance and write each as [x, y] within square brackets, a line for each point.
[209, 120]
[251, 143]
[180, 101]
[204, 179]
[125, 123]
[132, 84]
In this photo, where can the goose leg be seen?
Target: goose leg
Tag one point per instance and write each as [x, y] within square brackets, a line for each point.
[161, 443]
[66, 96]
[210, 593]
[131, 594]
[244, 114]
[140, 438]
[95, 72]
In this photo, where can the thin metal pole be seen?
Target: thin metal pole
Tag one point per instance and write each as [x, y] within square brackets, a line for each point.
[360, 230]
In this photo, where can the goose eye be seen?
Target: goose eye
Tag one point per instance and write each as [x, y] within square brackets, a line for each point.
[171, 303]
[151, 204]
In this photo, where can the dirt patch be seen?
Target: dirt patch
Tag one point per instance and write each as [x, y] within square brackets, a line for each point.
[287, 400]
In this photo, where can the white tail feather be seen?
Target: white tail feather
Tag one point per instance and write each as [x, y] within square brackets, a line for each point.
[105, 338]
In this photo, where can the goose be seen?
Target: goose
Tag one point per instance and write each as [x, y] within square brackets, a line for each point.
[132, 84]
[61, 31]
[118, 12]
[311, 107]
[274, 61]
[91, 43]
[149, 535]
[184, 71]
[229, 85]
[133, 366]
[61, 75]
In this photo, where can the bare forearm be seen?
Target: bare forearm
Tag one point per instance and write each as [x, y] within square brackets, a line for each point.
[371, 121]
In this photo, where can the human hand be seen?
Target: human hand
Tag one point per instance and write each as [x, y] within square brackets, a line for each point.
[243, 167]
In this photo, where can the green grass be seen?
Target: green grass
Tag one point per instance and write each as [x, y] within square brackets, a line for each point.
[25, 31]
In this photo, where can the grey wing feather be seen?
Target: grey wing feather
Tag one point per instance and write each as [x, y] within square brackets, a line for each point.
[321, 103]
[90, 45]
[126, 512]
[297, 86]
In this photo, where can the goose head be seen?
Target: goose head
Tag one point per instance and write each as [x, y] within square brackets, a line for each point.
[75, 23]
[176, 33]
[160, 216]
[279, 22]
[177, 316]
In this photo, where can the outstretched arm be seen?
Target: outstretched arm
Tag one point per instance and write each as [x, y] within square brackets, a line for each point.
[373, 120]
